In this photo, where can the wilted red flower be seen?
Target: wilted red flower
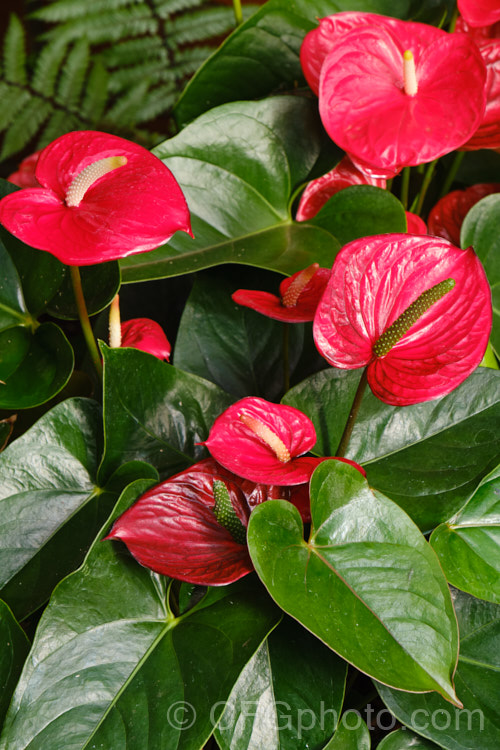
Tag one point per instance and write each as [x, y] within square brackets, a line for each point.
[147, 335]
[415, 310]
[446, 217]
[299, 296]
[415, 225]
[479, 12]
[102, 198]
[24, 177]
[320, 190]
[395, 93]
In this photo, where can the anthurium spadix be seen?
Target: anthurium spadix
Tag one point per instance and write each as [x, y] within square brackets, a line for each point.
[415, 310]
[395, 93]
[102, 198]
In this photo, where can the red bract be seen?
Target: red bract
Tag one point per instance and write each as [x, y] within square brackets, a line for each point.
[488, 133]
[299, 296]
[415, 224]
[172, 529]
[478, 33]
[261, 441]
[415, 310]
[479, 12]
[446, 218]
[25, 175]
[102, 198]
[146, 335]
[319, 191]
[395, 94]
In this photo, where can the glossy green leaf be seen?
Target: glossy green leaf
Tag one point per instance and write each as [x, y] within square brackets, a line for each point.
[359, 211]
[480, 229]
[366, 583]
[14, 647]
[288, 696]
[33, 367]
[402, 739]
[429, 457]
[352, 734]
[477, 683]
[112, 667]
[50, 505]
[468, 546]
[238, 166]
[262, 55]
[100, 283]
[13, 310]
[154, 412]
[230, 345]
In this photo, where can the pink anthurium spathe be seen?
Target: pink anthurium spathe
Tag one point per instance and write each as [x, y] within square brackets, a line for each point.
[488, 133]
[24, 176]
[102, 198]
[299, 296]
[147, 335]
[320, 190]
[395, 94]
[264, 442]
[479, 12]
[415, 310]
[415, 224]
[446, 217]
[180, 528]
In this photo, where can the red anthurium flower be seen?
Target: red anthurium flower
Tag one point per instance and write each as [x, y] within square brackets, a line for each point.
[478, 33]
[479, 12]
[395, 94]
[446, 218]
[102, 198]
[415, 224]
[299, 296]
[415, 310]
[488, 133]
[24, 177]
[146, 335]
[262, 441]
[191, 527]
[319, 191]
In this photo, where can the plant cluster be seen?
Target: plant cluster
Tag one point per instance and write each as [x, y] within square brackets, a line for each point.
[270, 518]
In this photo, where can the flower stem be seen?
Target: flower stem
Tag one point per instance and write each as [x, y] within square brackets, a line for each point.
[453, 21]
[286, 356]
[405, 186]
[88, 334]
[417, 204]
[452, 173]
[238, 15]
[346, 436]
[115, 331]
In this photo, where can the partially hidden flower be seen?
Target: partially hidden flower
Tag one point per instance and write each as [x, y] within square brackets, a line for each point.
[24, 176]
[488, 133]
[299, 296]
[416, 311]
[102, 198]
[318, 191]
[265, 442]
[147, 335]
[478, 32]
[446, 217]
[394, 93]
[415, 225]
[479, 12]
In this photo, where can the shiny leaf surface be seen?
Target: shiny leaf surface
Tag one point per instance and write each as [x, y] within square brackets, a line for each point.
[14, 647]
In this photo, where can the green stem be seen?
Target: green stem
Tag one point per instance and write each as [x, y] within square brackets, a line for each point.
[286, 356]
[238, 14]
[452, 173]
[88, 333]
[453, 21]
[405, 187]
[417, 204]
[351, 419]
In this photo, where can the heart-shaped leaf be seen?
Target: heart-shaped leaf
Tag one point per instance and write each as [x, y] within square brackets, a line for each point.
[112, 666]
[14, 647]
[100, 283]
[158, 415]
[428, 457]
[477, 681]
[480, 229]
[230, 345]
[349, 736]
[366, 576]
[404, 740]
[468, 546]
[238, 166]
[289, 695]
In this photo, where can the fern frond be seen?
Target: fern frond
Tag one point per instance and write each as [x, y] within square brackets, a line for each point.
[96, 93]
[14, 52]
[166, 8]
[129, 52]
[157, 101]
[26, 125]
[73, 75]
[66, 10]
[128, 106]
[13, 100]
[47, 67]
[201, 25]
[107, 27]
[59, 122]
